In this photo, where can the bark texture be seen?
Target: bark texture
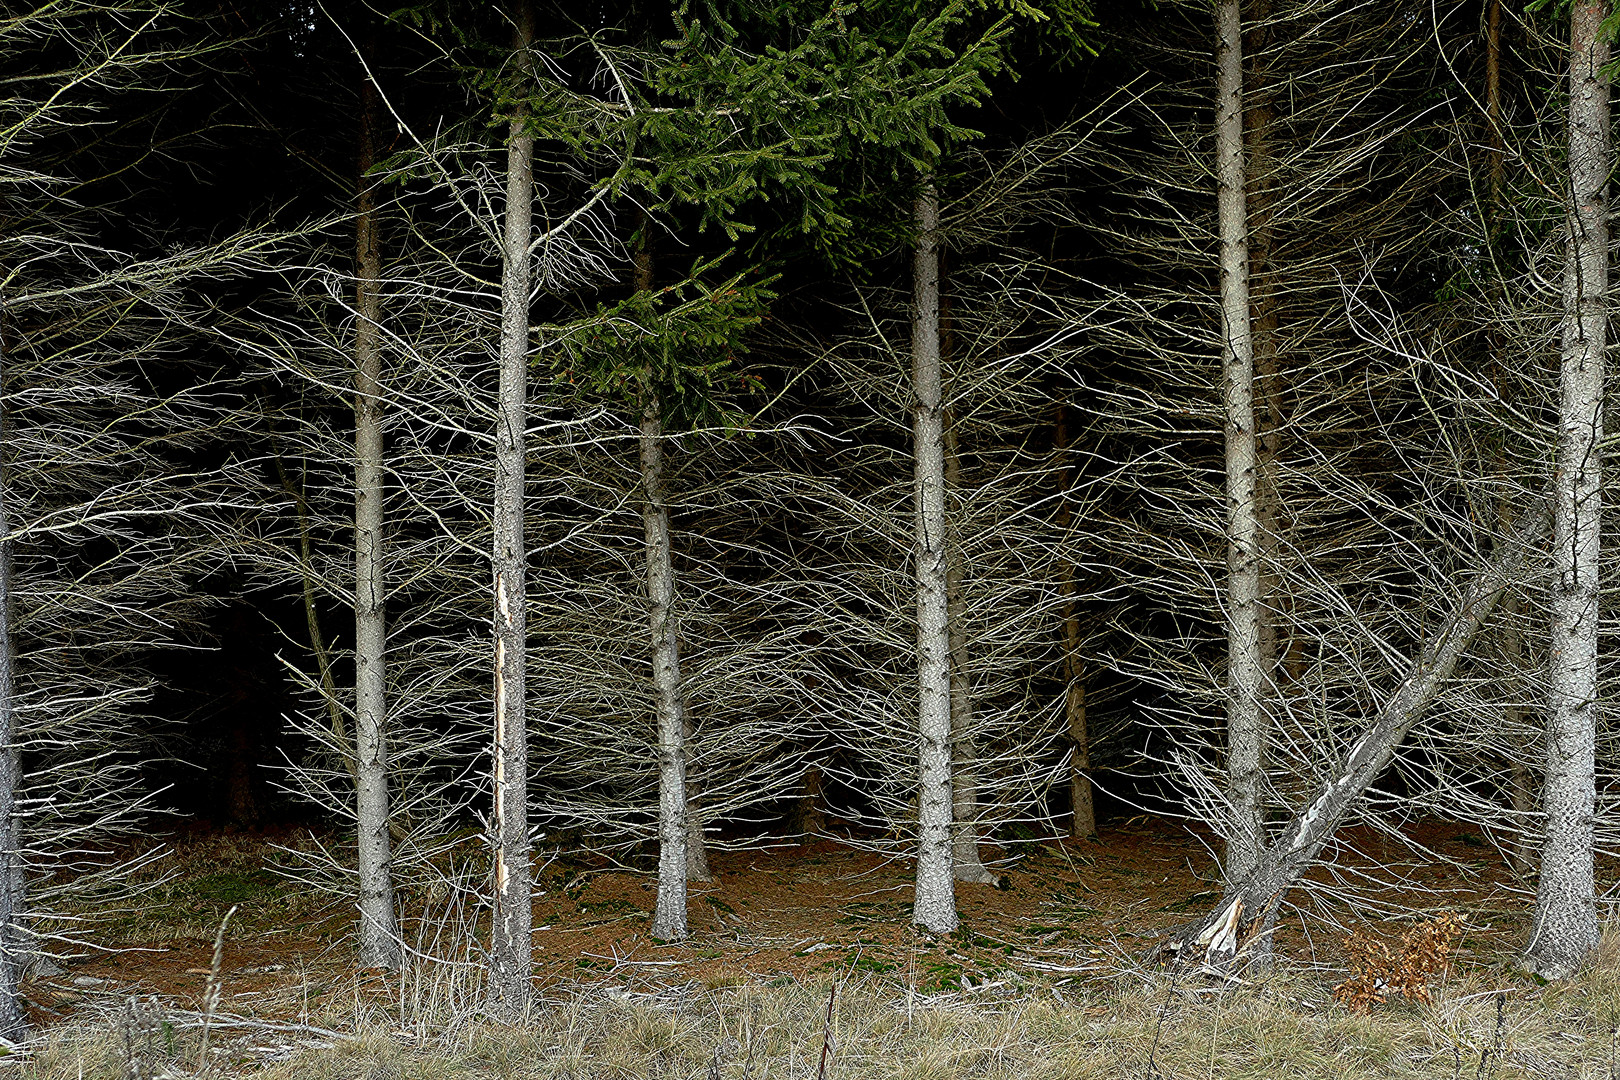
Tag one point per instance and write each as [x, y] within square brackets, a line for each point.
[1565, 930]
[935, 901]
[379, 938]
[669, 918]
[1239, 927]
[681, 851]
[1245, 714]
[511, 951]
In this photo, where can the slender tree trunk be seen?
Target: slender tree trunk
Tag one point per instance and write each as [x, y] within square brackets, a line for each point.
[681, 853]
[1238, 927]
[1245, 714]
[1521, 853]
[512, 948]
[1280, 650]
[934, 905]
[1493, 111]
[669, 919]
[964, 755]
[1074, 673]
[379, 938]
[312, 620]
[1566, 929]
[14, 944]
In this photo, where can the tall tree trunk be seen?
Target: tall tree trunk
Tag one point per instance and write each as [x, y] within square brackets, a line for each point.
[1239, 925]
[1245, 714]
[1566, 929]
[1496, 136]
[1074, 672]
[934, 906]
[682, 856]
[1520, 853]
[669, 919]
[14, 944]
[1280, 651]
[964, 755]
[512, 948]
[379, 938]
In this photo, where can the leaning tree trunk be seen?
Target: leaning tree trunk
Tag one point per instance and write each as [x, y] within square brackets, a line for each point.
[1566, 930]
[14, 945]
[1074, 672]
[379, 938]
[934, 906]
[966, 865]
[1239, 927]
[512, 947]
[1245, 678]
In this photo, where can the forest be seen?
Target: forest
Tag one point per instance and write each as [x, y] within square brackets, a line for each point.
[844, 537]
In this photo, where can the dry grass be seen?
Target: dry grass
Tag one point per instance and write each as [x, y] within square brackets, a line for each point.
[746, 998]
[1479, 1025]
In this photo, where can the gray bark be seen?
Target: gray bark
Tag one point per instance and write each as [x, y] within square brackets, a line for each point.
[686, 857]
[1238, 927]
[935, 902]
[512, 949]
[14, 943]
[1565, 930]
[379, 941]
[669, 918]
[1245, 713]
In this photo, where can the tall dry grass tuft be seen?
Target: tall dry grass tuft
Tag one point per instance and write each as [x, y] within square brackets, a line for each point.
[1482, 1024]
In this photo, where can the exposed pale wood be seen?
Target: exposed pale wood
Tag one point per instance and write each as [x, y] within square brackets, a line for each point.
[511, 952]
[1236, 928]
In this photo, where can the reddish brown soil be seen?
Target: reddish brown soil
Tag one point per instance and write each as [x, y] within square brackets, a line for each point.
[1071, 910]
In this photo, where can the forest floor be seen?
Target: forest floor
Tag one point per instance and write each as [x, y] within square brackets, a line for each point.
[774, 934]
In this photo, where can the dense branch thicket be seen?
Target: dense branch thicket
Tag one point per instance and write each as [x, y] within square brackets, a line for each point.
[862, 444]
